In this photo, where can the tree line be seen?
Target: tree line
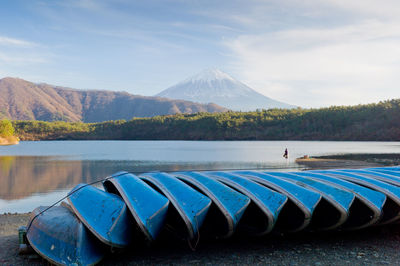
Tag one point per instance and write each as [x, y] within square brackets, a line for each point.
[6, 128]
[7, 133]
[379, 121]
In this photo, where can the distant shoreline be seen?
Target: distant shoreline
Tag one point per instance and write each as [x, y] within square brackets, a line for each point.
[350, 160]
[9, 141]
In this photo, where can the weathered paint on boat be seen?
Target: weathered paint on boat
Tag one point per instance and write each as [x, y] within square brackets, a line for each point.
[147, 206]
[231, 203]
[382, 176]
[391, 210]
[376, 198]
[386, 168]
[104, 214]
[306, 200]
[267, 200]
[363, 215]
[60, 237]
[340, 199]
[386, 171]
[191, 205]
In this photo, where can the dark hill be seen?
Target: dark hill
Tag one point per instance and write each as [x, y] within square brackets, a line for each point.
[24, 100]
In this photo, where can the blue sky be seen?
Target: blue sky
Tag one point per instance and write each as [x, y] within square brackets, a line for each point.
[308, 53]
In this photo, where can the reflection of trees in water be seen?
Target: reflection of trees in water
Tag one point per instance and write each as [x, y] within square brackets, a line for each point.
[26, 175]
[22, 176]
[5, 165]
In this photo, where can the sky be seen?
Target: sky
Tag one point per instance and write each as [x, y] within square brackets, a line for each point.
[310, 53]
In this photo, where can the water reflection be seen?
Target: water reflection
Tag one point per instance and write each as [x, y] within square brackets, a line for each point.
[40, 172]
[23, 176]
[29, 203]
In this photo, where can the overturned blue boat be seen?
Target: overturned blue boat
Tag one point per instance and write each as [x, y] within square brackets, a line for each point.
[228, 205]
[60, 237]
[104, 214]
[189, 207]
[263, 213]
[298, 210]
[391, 209]
[147, 206]
[211, 204]
[367, 206]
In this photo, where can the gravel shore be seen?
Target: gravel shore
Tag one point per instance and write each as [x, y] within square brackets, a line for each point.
[373, 246]
[9, 224]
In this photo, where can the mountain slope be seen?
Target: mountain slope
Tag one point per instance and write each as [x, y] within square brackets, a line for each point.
[23, 100]
[215, 86]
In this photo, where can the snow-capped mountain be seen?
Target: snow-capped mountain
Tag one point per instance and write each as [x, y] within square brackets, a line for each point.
[215, 86]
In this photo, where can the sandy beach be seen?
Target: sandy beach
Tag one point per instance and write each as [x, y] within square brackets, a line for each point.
[373, 246]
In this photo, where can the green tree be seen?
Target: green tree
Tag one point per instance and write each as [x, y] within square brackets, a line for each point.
[6, 128]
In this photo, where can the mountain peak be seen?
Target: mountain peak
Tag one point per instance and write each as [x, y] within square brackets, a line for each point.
[216, 86]
[208, 75]
[11, 79]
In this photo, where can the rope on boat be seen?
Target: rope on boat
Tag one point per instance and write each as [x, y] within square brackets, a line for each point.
[69, 194]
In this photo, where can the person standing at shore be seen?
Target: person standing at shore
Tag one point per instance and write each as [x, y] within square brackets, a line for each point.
[286, 154]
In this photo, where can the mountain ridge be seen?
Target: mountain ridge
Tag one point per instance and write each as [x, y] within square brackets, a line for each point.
[214, 85]
[25, 100]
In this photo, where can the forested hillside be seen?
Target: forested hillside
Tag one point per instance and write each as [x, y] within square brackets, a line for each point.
[24, 100]
[362, 122]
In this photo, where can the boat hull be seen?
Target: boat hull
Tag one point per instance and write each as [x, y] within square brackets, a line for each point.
[391, 209]
[297, 212]
[190, 205]
[59, 237]
[104, 214]
[333, 210]
[367, 208]
[260, 217]
[147, 206]
[229, 204]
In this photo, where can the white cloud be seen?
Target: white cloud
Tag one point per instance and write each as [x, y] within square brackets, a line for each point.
[18, 52]
[320, 64]
[22, 59]
[15, 42]
[384, 9]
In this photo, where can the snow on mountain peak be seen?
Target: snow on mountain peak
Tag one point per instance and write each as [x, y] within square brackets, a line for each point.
[208, 75]
[213, 85]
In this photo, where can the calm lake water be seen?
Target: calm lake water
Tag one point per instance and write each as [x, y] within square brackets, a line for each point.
[39, 173]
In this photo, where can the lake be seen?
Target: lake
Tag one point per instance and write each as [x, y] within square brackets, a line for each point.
[38, 173]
